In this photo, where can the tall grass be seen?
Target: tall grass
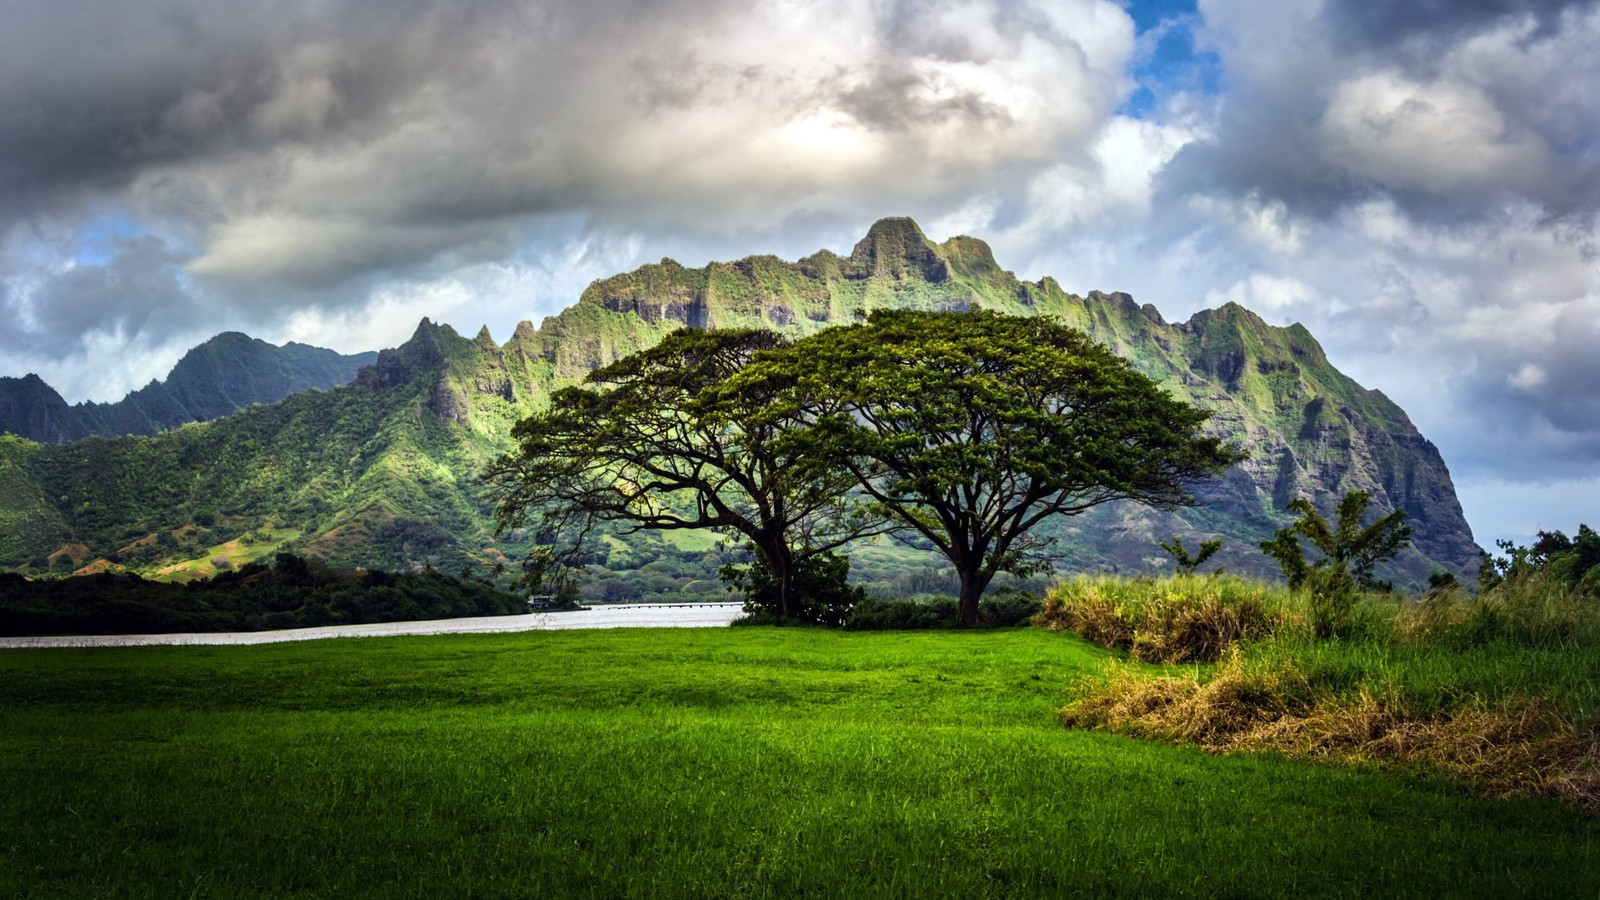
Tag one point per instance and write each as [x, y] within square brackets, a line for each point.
[1181, 619]
[1502, 690]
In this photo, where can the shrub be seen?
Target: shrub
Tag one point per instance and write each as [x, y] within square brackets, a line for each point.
[1007, 607]
[1330, 599]
[1533, 609]
[902, 615]
[821, 581]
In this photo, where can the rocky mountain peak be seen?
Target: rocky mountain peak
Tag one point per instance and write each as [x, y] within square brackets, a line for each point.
[896, 248]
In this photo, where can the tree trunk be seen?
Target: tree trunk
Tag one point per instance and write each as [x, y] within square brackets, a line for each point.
[972, 587]
[780, 563]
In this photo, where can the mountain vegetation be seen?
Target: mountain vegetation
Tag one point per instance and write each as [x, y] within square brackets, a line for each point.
[290, 593]
[385, 471]
[217, 378]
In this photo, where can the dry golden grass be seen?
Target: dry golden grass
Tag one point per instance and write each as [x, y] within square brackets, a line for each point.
[1525, 747]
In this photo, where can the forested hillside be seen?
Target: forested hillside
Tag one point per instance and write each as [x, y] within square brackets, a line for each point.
[384, 471]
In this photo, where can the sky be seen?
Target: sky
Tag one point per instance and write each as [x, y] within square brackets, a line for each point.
[1417, 182]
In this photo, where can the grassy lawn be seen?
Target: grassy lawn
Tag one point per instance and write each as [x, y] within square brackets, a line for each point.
[721, 762]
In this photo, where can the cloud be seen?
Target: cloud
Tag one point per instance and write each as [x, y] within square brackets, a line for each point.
[1422, 25]
[1438, 137]
[317, 159]
[139, 288]
[1417, 182]
[327, 142]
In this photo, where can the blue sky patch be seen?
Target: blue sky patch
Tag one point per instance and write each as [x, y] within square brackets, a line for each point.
[99, 237]
[1168, 63]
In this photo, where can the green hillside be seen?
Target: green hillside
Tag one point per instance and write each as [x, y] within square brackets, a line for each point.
[384, 471]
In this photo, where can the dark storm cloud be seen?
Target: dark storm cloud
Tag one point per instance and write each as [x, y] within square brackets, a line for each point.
[1555, 384]
[92, 94]
[1365, 24]
[211, 111]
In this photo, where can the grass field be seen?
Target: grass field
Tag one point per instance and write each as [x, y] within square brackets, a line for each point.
[727, 762]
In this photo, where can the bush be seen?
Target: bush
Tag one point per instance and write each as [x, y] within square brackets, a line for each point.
[821, 582]
[1008, 607]
[902, 615]
[1330, 598]
[1534, 609]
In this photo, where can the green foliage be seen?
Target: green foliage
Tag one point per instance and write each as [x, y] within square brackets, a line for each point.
[1188, 564]
[1007, 607]
[822, 592]
[654, 441]
[1003, 608]
[903, 615]
[1574, 562]
[972, 429]
[290, 593]
[1350, 551]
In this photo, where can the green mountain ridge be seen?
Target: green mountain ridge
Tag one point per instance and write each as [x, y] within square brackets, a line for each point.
[383, 471]
[217, 378]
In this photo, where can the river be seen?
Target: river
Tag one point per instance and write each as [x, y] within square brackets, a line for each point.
[633, 615]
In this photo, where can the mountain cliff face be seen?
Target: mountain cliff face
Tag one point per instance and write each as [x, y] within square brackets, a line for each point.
[223, 375]
[384, 470]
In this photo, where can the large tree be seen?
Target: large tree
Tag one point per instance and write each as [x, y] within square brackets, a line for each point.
[647, 442]
[972, 428]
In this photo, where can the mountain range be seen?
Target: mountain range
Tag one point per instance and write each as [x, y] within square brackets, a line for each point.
[221, 376]
[383, 471]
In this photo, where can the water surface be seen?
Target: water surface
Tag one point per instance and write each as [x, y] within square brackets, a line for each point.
[630, 615]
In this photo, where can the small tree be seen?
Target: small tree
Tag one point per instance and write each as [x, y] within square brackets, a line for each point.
[822, 588]
[1188, 564]
[1350, 551]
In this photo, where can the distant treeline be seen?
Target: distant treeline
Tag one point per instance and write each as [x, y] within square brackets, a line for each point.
[290, 593]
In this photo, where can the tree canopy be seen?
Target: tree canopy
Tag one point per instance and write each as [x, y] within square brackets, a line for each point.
[971, 428]
[647, 442]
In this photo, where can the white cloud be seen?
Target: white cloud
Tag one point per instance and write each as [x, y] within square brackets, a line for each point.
[1265, 294]
[1438, 137]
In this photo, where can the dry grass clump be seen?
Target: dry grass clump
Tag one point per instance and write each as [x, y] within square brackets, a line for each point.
[1523, 747]
[1175, 620]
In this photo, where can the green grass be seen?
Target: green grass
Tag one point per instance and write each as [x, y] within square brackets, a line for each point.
[743, 762]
